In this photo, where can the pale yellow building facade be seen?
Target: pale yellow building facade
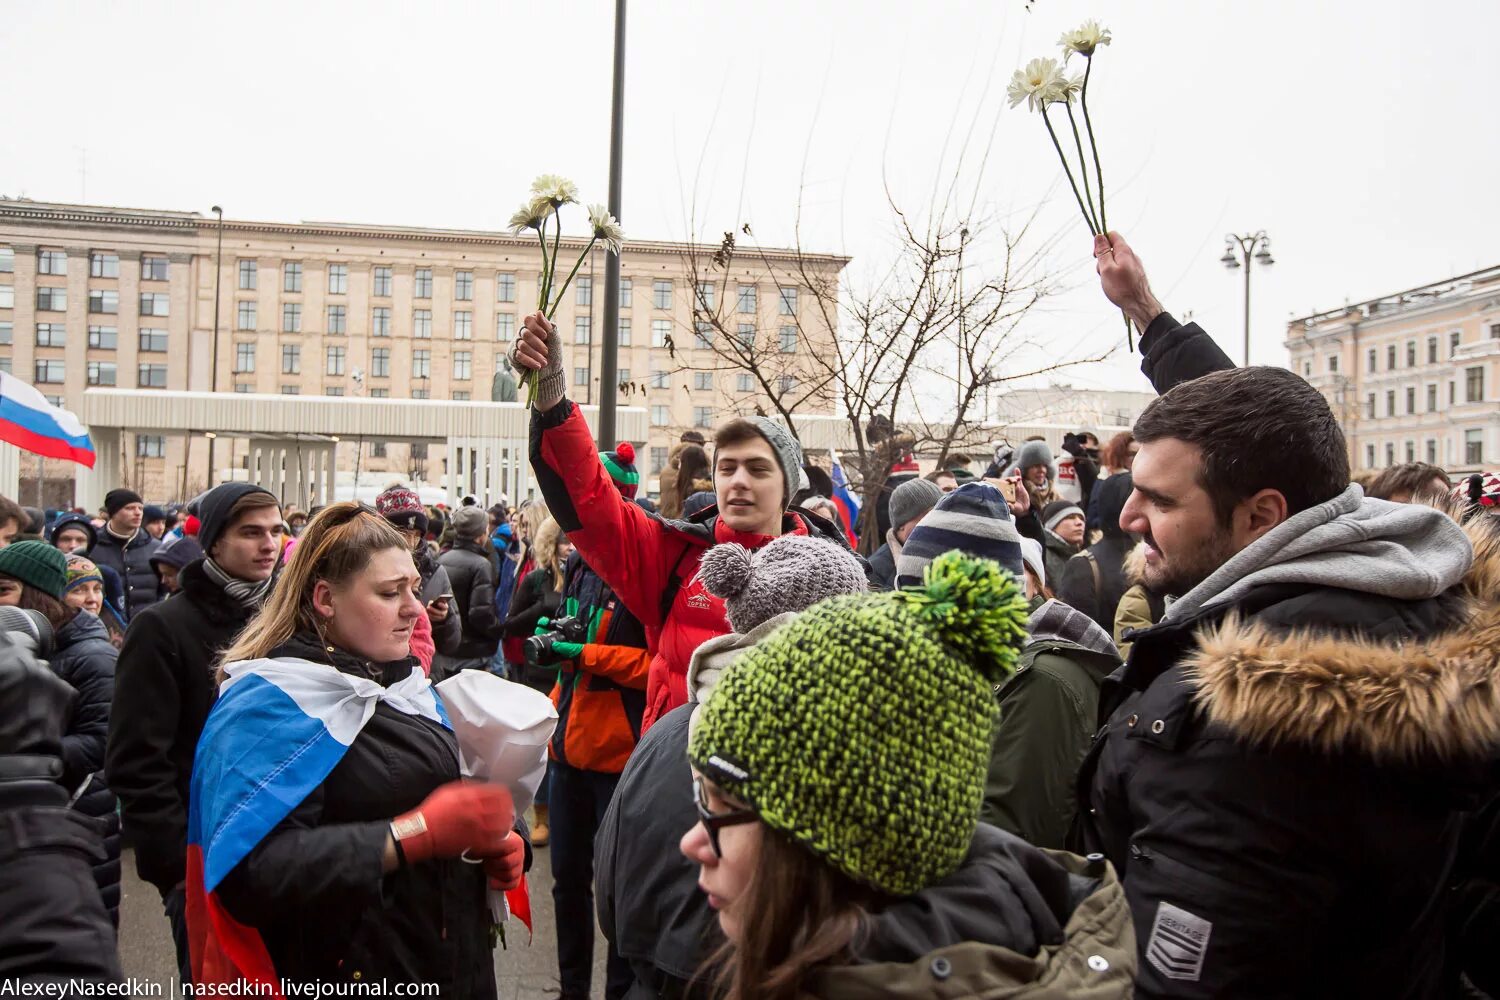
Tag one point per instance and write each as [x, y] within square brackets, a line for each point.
[109, 297]
[1413, 376]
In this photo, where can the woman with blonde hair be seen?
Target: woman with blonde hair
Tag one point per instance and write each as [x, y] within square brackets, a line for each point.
[328, 829]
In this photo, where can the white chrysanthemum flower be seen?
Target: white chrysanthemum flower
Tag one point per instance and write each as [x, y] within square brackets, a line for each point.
[1039, 84]
[531, 215]
[1067, 90]
[558, 190]
[606, 228]
[1084, 40]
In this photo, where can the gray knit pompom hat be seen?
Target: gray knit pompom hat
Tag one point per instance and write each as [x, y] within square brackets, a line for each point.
[792, 573]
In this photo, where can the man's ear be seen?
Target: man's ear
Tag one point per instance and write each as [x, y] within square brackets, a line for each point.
[1259, 513]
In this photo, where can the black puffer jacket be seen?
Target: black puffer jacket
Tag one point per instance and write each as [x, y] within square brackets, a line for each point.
[164, 689]
[1097, 594]
[471, 571]
[132, 560]
[85, 659]
[314, 888]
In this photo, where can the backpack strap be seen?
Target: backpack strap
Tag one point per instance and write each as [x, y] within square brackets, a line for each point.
[674, 584]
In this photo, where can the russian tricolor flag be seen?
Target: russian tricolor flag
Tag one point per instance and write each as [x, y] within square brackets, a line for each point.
[843, 498]
[32, 424]
[279, 728]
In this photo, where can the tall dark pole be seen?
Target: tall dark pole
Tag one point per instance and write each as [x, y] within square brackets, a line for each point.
[609, 363]
[1247, 312]
[213, 378]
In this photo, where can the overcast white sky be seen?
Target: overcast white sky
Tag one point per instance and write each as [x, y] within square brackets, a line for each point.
[1360, 134]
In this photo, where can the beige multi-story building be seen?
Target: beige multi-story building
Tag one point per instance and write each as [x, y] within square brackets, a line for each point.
[1411, 376]
[96, 296]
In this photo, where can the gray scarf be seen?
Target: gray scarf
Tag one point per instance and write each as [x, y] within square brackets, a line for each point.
[1055, 620]
[248, 594]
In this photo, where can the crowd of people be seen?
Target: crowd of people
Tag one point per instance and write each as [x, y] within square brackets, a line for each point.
[1192, 712]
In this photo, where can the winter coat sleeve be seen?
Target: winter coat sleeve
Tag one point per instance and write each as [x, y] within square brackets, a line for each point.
[482, 616]
[1040, 740]
[529, 605]
[629, 549]
[1134, 612]
[448, 634]
[83, 747]
[421, 643]
[143, 723]
[1076, 588]
[1030, 526]
[300, 862]
[1172, 353]
[627, 666]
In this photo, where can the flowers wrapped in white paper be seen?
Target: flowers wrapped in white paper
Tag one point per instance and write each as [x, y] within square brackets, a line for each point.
[502, 729]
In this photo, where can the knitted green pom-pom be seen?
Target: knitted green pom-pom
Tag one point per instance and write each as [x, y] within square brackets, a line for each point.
[976, 607]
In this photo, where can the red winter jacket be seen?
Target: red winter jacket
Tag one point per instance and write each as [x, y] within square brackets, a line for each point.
[651, 564]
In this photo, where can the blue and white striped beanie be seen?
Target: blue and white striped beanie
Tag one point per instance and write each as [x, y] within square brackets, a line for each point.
[974, 519]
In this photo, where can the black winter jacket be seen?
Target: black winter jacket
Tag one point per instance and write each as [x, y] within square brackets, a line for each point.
[1283, 796]
[471, 571]
[537, 597]
[53, 926]
[163, 691]
[650, 906]
[132, 561]
[314, 888]
[85, 659]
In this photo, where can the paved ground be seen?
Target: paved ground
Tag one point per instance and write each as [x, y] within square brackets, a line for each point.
[522, 972]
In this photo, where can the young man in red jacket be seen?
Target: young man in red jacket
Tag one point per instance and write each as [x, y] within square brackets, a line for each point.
[652, 564]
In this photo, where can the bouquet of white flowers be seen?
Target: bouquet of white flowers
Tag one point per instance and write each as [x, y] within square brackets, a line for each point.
[1044, 83]
[549, 193]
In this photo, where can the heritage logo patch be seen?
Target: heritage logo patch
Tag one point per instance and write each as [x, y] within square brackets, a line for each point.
[1179, 941]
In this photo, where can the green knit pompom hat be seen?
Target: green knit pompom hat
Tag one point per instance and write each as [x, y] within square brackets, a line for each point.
[862, 729]
[36, 564]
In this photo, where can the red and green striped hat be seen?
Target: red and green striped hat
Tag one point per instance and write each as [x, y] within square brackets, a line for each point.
[620, 464]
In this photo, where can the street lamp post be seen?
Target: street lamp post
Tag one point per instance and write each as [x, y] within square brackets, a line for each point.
[609, 362]
[1247, 251]
[213, 378]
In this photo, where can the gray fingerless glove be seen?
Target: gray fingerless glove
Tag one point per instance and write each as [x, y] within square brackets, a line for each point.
[552, 385]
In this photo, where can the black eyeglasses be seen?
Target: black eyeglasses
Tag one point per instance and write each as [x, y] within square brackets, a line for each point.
[714, 822]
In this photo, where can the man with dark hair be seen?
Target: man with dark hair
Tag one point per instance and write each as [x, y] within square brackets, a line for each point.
[13, 521]
[1408, 483]
[650, 563]
[1276, 780]
[126, 547]
[164, 682]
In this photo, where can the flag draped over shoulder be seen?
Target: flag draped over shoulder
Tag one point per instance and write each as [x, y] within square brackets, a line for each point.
[844, 499]
[279, 728]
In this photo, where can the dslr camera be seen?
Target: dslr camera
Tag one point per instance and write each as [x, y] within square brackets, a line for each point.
[569, 628]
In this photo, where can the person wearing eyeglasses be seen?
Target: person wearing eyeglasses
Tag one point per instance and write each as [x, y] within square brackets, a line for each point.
[849, 860]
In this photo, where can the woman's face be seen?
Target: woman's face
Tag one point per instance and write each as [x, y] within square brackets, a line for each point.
[564, 549]
[372, 614]
[10, 593]
[724, 875]
[1130, 453]
[88, 596]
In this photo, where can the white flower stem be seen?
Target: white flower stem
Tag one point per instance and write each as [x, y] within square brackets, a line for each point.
[1067, 170]
[1083, 168]
[564, 290]
[1083, 100]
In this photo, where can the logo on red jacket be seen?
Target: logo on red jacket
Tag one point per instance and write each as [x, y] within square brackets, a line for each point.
[699, 602]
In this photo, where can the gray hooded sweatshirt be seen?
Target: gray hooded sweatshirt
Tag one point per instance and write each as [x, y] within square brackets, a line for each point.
[1399, 550]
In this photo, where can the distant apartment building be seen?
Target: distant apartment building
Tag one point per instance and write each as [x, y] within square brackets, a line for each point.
[99, 296]
[1411, 376]
[1061, 403]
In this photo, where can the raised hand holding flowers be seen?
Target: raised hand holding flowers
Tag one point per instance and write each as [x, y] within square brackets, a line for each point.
[549, 193]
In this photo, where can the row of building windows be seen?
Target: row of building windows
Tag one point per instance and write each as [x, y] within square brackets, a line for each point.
[105, 338]
[101, 301]
[1473, 393]
[101, 264]
[1393, 353]
[1473, 451]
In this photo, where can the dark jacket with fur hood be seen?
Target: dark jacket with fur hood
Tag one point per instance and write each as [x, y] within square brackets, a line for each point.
[1283, 784]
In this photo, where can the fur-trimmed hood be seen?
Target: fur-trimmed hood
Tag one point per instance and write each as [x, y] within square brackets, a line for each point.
[1433, 701]
[1135, 565]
